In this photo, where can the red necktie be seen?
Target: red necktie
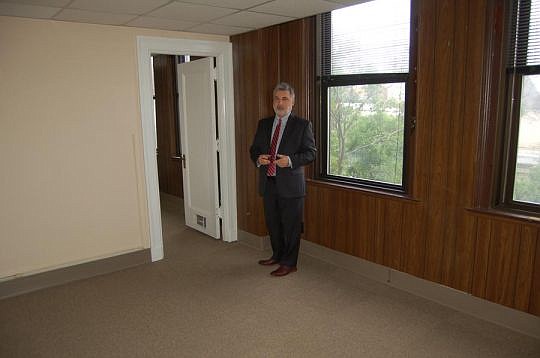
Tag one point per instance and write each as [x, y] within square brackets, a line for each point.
[271, 171]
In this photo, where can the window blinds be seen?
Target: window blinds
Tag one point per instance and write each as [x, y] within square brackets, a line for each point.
[371, 37]
[524, 48]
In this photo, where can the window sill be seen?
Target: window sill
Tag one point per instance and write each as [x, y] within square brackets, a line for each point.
[371, 192]
[506, 215]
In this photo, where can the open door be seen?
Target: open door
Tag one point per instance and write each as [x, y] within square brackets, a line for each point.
[199, 145]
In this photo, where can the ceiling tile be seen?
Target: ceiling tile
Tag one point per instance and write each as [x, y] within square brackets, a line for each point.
[190, 12]
[218, 29]
[118, 6]
[157, 23]
[93, 17]
[23, 10]
[232, 4]
[51, 3]
[296, 8]
[252, 19]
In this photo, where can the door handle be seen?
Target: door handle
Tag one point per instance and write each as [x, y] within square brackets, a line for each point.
[183, 158]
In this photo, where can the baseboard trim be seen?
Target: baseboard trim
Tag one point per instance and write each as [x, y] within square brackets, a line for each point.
[461, 301]
[261, 243]
[25, 284]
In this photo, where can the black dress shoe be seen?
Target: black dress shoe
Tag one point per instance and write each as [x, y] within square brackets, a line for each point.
[268, 262]
[283, 271]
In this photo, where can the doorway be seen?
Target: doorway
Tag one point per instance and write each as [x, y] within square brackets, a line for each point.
[168, 148]
[222, 51]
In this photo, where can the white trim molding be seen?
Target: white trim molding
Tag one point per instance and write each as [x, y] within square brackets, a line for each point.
[222, 51]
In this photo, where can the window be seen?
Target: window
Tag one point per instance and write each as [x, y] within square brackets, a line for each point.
[520, 177]
[366, 94]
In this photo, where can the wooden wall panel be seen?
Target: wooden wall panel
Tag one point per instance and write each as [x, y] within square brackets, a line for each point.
[299, 73]
[352, 216]
[534, 303]
[483, 243]
[261, 59]
[424, 105]
[473, 65]
[454, 215]
[377, 215]
[439, 139]
[435, 232]
[413, 241]
[175, 176]
[393, 216]
[363, 240]
[169, 165]
[525, 272]
[463, 262]
[243, 173]
[311, 214]
[163, 113]
[502, 266]
[427, 25]
[254, 61]
[341, 221]
[269, 71]
[327, 218]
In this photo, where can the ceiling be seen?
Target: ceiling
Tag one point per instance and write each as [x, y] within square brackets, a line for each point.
[221, 17]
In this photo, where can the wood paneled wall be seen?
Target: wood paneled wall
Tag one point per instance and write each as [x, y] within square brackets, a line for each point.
[169, 164]
[436, 233]
[263, 58]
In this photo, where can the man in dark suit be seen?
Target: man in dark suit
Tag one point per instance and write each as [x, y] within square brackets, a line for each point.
[283, 144]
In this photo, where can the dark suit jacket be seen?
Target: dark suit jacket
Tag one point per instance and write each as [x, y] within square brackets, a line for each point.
[297, 142]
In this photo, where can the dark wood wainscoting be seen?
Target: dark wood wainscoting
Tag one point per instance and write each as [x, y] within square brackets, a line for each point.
[435, 232]
[496, 259]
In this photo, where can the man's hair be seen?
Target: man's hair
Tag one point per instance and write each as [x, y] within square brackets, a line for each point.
[284, 86]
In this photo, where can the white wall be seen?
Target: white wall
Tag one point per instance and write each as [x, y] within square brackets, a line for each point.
[71, 170]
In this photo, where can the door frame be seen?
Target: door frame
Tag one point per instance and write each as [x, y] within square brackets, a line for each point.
[222, 51]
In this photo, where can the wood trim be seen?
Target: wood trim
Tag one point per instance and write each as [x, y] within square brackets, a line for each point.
[366, 191]
[489, 142]
[508, 216]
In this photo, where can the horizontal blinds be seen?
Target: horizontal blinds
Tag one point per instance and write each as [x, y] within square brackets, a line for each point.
[371, 37]
[524, 49]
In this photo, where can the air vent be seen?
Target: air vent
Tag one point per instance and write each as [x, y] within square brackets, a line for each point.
[201, 221]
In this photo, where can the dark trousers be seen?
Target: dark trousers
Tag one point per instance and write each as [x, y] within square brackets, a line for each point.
[284, 222]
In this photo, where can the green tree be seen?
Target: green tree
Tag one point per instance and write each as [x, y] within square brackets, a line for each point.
[527, 186]
[366, 133]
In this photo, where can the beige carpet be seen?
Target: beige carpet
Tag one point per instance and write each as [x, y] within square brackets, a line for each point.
[210, 299]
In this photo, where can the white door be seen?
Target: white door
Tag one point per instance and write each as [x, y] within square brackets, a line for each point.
[199, 145]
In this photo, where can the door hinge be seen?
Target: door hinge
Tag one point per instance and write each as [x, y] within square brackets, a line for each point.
[214, 74]
[219, 212]
[218, 145]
